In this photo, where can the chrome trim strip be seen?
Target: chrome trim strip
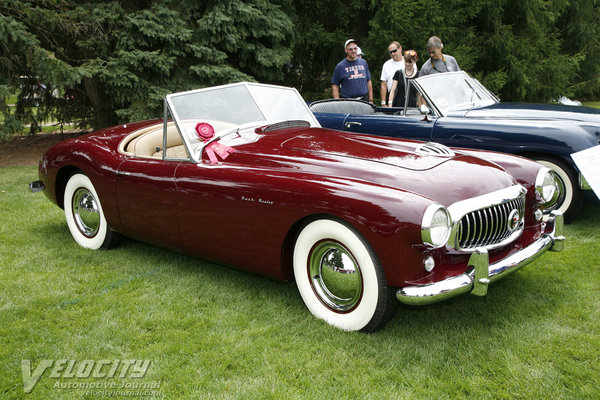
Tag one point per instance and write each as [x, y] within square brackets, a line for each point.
[481, 273]
[461, 208]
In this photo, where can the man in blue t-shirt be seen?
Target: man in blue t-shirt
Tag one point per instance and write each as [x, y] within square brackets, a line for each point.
[351, 77]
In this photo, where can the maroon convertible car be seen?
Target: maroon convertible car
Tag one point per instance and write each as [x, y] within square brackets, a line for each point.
[243, 175]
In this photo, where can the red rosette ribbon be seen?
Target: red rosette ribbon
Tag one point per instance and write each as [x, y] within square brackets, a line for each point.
[206, 132]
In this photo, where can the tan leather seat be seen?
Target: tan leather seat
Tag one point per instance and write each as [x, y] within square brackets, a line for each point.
[148, 142]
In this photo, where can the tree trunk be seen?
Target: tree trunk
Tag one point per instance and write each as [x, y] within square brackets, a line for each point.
[102, 106]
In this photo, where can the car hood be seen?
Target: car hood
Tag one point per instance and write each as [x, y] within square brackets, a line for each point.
[374, 149]
[532, 111]
[400, 164]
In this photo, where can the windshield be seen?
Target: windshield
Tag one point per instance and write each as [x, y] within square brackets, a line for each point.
[455, 90]
[235, 107]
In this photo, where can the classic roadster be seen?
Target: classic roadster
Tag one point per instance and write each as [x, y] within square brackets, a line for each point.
[461, 112]
[243, 175]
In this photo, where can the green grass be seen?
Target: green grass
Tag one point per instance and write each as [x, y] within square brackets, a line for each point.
[12, 99]
[595, 104]
[215, 332]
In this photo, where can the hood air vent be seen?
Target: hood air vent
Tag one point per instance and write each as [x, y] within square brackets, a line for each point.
[434, 149]
[283, 125]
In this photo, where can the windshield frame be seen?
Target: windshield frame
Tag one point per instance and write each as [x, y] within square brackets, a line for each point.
[442, 81]
[244, 104]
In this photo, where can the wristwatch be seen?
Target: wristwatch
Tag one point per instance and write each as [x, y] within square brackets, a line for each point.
[383, 103]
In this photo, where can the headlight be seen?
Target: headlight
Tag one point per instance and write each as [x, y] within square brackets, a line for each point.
[549, 187]
[436, 226]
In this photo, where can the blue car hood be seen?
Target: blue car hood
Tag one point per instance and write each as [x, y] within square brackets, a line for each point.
[532, 111]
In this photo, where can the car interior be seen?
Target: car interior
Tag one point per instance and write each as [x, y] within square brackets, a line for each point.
[357, 107]
[148, 142]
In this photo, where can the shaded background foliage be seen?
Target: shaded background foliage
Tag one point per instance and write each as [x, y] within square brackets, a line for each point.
[106, 62]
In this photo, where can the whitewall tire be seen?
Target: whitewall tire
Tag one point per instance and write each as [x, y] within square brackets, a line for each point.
[84, 214]
[339, 277]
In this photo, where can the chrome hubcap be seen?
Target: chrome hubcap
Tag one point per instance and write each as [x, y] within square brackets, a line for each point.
[335, 276]
[86, 212]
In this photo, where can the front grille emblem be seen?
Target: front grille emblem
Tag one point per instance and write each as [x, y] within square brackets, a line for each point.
[513, 220]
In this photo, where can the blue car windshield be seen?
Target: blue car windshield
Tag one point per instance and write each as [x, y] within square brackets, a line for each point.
[455, 91]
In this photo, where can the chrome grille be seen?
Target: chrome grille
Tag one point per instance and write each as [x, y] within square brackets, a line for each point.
[492, 226]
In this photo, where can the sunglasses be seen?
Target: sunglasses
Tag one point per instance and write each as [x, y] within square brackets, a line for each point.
[410, 53]
[393, 51]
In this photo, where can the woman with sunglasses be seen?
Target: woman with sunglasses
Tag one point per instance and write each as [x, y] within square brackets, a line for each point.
[401, 81]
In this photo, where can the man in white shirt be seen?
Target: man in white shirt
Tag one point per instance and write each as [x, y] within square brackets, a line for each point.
[390, 67]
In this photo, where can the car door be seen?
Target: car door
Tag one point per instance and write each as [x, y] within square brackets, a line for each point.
[487, 134]
[147, 200]
[230, 214]
[401, 126]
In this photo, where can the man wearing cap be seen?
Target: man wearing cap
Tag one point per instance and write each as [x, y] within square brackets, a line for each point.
[351, 77]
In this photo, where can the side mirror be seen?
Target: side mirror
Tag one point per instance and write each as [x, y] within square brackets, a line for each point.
[424, 109]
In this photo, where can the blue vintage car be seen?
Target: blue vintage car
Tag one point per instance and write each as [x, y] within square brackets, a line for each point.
[456, 110]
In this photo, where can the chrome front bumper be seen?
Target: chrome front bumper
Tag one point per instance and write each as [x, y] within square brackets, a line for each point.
[480, 272]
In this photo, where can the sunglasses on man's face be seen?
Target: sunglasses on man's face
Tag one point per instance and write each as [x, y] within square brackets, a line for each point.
[393, 51]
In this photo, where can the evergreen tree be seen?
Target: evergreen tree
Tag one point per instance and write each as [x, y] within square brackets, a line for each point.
[116, 60]
[522, 58]
[580, 28]
[108, 61]
[321, 28]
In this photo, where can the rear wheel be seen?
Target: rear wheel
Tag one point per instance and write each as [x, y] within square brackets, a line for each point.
[84, 215]
[571, 201]
[340, 279]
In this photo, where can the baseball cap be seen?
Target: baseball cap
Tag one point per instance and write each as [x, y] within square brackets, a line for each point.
[348, 42]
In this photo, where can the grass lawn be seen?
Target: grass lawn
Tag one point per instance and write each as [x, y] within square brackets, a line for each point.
[213, 332]
[595, 104]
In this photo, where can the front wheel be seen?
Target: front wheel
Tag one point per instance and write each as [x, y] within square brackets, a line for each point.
[571, 201]
[84, 215]
[340, 279]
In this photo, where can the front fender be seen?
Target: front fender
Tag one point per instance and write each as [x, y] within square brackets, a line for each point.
[557, 138]
[95, 160]
[389, 219]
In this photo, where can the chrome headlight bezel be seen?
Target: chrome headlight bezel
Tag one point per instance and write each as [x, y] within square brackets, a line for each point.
[436, 226]
[549, 187]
